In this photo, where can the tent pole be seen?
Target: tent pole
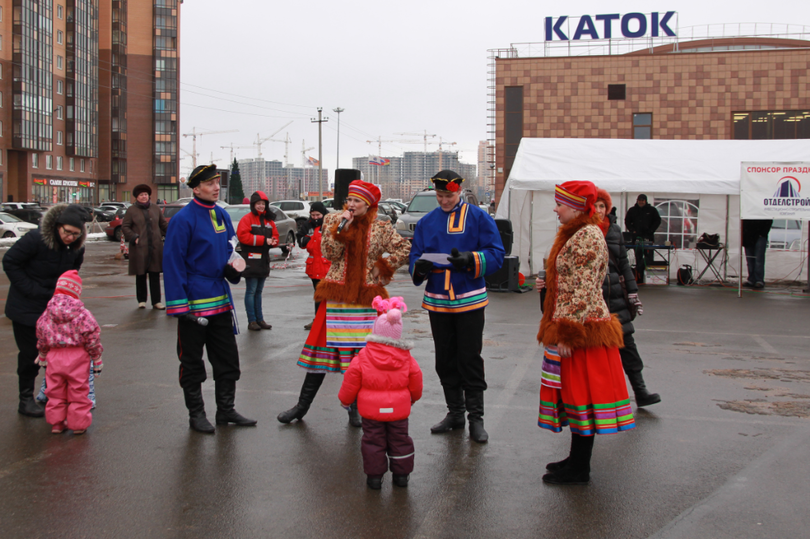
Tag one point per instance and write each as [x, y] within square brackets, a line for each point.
[739, 273]
[531, 230]
[807, 290]
[725, 258]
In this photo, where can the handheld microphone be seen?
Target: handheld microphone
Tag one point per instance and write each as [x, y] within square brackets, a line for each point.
[196, 319]
[343, 223]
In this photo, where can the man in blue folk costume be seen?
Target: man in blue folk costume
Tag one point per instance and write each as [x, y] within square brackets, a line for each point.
[454, 247]
[196, 258]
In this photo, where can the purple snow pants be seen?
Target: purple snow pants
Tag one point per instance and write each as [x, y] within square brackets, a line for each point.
[384, 440]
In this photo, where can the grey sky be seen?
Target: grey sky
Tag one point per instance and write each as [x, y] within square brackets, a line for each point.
[254, 65]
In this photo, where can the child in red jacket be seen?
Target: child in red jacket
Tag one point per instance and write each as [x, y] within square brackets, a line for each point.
[385, 379]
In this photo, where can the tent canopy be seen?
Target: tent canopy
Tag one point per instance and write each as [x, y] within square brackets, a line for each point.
[624, 165]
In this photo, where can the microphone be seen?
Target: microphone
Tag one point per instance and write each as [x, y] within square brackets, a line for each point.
[196, 319]
[343, 222]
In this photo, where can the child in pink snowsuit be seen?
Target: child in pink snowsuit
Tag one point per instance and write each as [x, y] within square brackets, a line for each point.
[68, 340]
[385, 379]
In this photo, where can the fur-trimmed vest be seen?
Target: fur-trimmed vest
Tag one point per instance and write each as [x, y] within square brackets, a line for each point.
[575, 312]
[354, 253]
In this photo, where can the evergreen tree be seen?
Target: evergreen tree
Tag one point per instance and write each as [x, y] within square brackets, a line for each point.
[236, 195]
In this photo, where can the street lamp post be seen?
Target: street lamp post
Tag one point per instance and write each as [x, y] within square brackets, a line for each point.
[338, 111]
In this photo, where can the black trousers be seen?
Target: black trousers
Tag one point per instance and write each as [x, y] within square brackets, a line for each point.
[386, 444]
[631, 360]
[220, 343]
[26, 339]
[458, 339]
[154, 287]
[315, 286]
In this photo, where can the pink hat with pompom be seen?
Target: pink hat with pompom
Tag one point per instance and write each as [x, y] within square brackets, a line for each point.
[389, 321]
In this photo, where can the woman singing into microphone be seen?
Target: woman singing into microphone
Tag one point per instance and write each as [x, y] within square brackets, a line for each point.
[358, 274]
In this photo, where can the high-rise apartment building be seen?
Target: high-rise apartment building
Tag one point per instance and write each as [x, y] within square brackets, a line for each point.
[88, 99]
[279, 182]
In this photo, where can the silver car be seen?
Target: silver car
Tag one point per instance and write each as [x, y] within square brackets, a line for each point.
[285, 225]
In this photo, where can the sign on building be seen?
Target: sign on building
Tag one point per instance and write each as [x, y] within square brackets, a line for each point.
[610, 26]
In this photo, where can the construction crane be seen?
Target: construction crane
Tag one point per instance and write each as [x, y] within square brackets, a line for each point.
[232, 148]
[424, 136]
[304, 151]
[380, 140]
[287, 141]
[441, 153]
[194, 134]
[260, 140]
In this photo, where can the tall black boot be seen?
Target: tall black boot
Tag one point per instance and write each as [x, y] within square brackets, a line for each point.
[474, 401]
[225, 391]
[312, 382]
[559, 465]
[196, 410]
[454, 397]
[578, 469]
[28, 405]
[643, 397]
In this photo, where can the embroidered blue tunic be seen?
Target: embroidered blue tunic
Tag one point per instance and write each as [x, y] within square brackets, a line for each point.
[467, 228]
[194, 257]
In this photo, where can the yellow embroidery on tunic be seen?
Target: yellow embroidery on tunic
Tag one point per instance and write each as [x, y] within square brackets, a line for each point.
[217, 226]
[457, 221]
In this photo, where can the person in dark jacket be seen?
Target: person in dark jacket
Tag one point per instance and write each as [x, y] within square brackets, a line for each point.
[755, 241]
[33, 265]
[309, 238]
[614, 294]
[257, 233]
[143, 227]
[642, 220]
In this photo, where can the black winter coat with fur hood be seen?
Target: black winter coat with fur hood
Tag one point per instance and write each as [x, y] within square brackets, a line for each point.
[33, 265]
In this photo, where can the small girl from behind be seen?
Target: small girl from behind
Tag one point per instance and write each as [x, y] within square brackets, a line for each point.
[385, 379]
[68, 339]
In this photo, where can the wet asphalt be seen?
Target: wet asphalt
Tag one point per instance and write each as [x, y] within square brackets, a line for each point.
[725, 455]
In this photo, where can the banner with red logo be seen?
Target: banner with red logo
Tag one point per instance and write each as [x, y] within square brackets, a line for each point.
[775, 190]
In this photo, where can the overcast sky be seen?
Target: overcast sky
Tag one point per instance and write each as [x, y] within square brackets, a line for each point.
[419, 66]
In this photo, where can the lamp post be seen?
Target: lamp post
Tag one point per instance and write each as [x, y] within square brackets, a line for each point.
[338, 111]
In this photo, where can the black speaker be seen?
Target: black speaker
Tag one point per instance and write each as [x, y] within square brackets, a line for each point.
[507, 236]
[343, 177]
[506, 278]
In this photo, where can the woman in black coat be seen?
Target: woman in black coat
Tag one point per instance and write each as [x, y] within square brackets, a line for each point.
[143, 228]
[619, 298]
[33, 265]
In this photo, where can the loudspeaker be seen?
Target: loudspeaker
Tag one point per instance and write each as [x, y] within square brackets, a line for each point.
[507, 236]
[506, 278]
[343, 177]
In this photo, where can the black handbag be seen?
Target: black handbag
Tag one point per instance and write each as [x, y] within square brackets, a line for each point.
[684, 275]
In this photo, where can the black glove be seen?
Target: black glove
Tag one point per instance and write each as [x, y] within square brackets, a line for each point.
[232, 275]
[422, 267]
[460, 260]
[302, 242]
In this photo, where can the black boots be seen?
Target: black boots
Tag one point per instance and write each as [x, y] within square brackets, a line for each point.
[312, 382]
[643, 397]
[474, 401]
[576, 469]
[354, 416]
[455, 416]
[225, 392]
[196, 410]
[28, 406]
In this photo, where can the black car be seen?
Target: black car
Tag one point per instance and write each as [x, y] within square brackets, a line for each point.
[29, 215]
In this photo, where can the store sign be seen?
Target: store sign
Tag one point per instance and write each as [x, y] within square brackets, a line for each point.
[775, 191]
[629, 25]
[64, 183]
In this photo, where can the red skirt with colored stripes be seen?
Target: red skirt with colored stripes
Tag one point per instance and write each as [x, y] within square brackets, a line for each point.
[592, 397]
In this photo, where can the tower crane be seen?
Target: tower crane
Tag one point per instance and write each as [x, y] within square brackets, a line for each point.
[304, 151]
[287, 141]
[260, 140]
[232, 148]
[194, 134]
[441, 153]
[380, 140]
[424, 136]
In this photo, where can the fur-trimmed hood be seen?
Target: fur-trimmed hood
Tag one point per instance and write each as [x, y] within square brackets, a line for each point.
[49, 229]
[388, 341]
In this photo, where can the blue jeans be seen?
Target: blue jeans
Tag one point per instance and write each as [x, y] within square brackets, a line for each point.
[253, 299]
[755, 257]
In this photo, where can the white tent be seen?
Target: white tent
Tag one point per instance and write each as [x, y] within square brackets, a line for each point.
[707, 171]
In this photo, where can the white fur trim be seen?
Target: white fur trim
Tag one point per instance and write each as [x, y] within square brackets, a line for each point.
[403, 344]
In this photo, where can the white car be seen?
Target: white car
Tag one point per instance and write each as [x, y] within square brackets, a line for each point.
[297, 209]
[14, 227]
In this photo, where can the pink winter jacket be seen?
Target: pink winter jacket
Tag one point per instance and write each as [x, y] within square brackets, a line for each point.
[384, 378]
[66, 323]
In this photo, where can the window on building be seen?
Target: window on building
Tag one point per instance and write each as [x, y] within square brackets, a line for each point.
[81, 165]
[34, 160]
[49, 162]
[71, 164]
[1, 100]
[617, 92]
[59, 37]
[58, 138]
[58, 162]
[679, 222]
[1, 71]
[1, 128]
[59, 11]
[59, 87]
[59, 112]
[1, 157]
[58, 62]
[642, 125]
[1, 42]
[768, 125]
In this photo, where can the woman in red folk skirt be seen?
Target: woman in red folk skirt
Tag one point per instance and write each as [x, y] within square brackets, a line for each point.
[582, 382]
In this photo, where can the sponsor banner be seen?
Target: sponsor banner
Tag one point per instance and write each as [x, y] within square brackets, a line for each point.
[775, 190]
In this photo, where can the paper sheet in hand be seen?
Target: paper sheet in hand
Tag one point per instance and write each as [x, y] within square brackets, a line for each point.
[439, 259]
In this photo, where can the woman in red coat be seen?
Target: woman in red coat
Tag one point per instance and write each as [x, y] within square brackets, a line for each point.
[257, 233]
[310, 239]
[385, 379]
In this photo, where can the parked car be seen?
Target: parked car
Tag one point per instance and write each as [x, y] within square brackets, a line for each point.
[297, 209]
[116, 204]
[386, 209]
[785, 234]
[286, 225]
[103, 215]
[29, 215]
[13, 227]
[5, 206]
[420, 205]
